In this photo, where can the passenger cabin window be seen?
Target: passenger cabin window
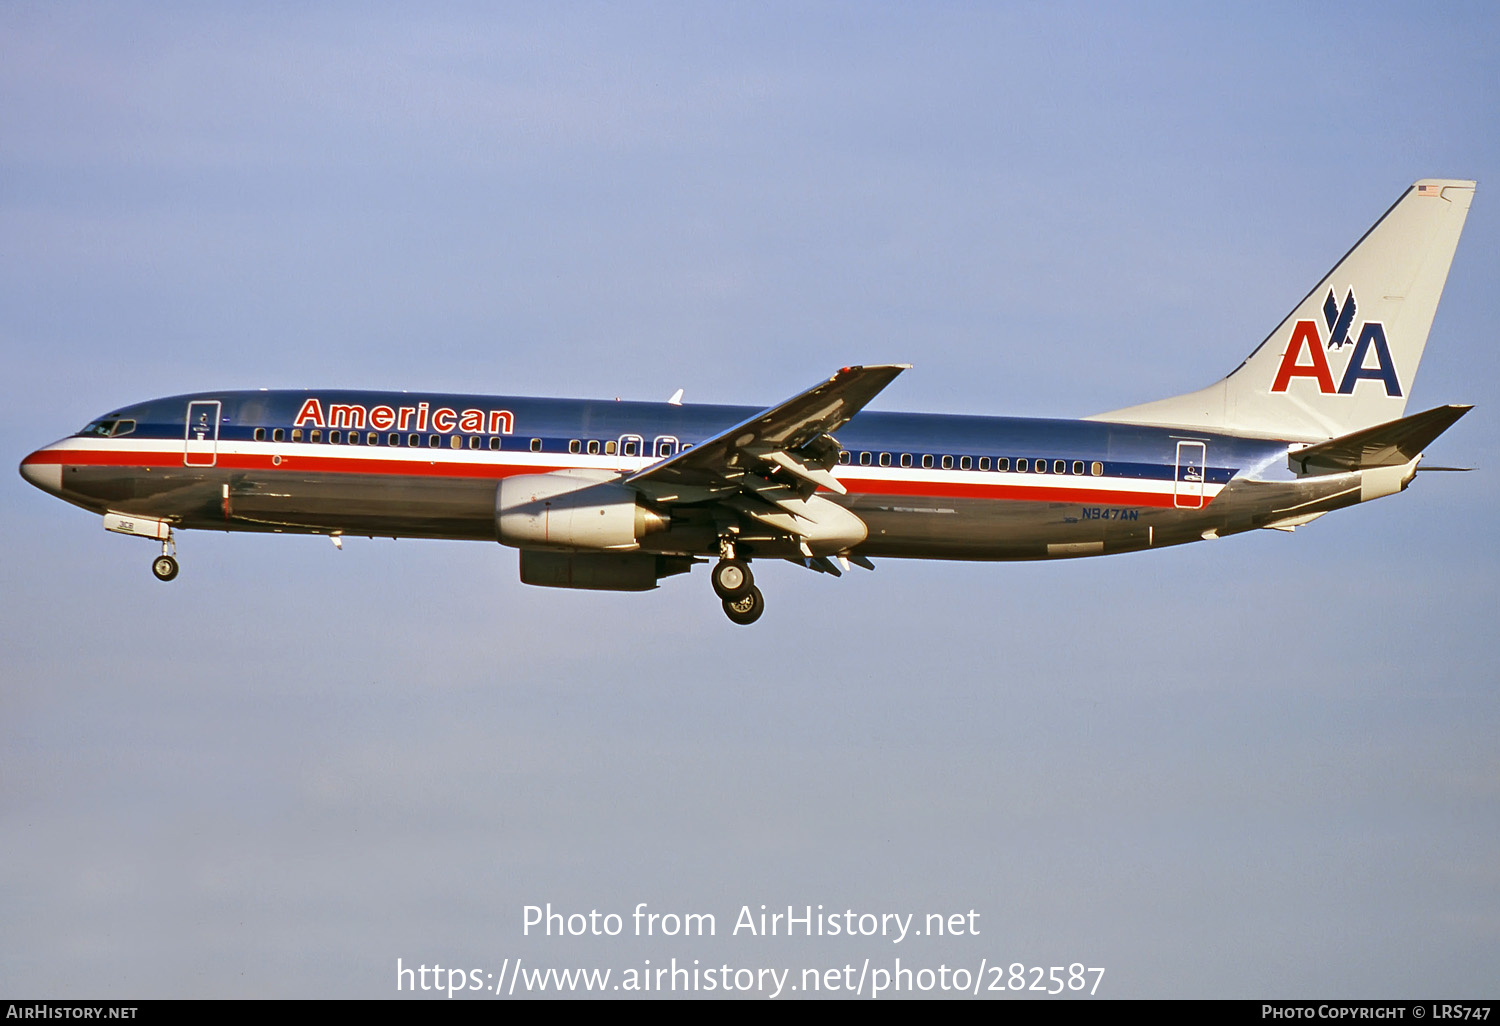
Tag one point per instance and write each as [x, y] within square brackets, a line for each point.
[593, 446]
[947, 462]
[864, 459]
[631, 447]
[393, 439]
[574, 446]
[335, 437]
[296, 434]
[536, 445]
[433, 441]
[927, 462]
[885, 459]
[984, 462]
[1022, 466]
[455, 442]
[315, 436]
[1040, 466]
[260, 434]
[906, 459]
[1060, 466]
[609, 448]
[353, 438]
[473, 441]
[1078, 466]
[494, 443]
[1003, 463]
[279, 435]
[372, 438]
[844, 457]
[965, 463]
[1098, 469]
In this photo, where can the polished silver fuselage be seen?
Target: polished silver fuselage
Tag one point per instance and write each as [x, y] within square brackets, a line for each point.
[1103, 488]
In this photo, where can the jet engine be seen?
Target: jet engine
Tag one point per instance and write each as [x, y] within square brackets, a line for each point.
[569, 510]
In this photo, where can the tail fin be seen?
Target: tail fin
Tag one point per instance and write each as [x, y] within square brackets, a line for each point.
[1346, 357]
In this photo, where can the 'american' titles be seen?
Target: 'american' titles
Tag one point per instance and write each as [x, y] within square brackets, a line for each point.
[404, 418]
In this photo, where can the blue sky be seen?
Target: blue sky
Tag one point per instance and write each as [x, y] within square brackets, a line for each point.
[1262, 766]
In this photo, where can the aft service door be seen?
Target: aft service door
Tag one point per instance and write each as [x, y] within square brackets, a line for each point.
[1191, 467]
[200, 447]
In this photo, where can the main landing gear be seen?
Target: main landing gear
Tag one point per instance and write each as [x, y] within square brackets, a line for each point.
[745, 609]
[732, 577]
[735, 585]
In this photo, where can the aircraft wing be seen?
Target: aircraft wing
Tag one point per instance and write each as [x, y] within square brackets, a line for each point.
[794, 436]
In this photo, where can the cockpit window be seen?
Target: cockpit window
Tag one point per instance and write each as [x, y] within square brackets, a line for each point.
[108, 428]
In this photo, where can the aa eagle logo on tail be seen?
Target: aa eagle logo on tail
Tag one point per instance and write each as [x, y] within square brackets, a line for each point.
[1340, 320]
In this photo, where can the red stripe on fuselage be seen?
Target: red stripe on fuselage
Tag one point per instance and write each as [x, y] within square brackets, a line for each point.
[288, 464]
[1020, 493]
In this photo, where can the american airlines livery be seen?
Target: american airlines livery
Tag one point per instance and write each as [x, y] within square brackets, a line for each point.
[617, 495]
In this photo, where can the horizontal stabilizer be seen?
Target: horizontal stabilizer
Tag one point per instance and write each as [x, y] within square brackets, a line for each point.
[1391, 444]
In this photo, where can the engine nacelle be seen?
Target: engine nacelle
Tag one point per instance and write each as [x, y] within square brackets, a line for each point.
[569, 510]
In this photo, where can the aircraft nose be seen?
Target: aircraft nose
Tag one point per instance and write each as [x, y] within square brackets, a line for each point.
[41, 472]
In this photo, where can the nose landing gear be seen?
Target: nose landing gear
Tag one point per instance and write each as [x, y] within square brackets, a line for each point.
[164, 566]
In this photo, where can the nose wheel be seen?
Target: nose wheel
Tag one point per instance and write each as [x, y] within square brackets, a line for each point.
[164, 566]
